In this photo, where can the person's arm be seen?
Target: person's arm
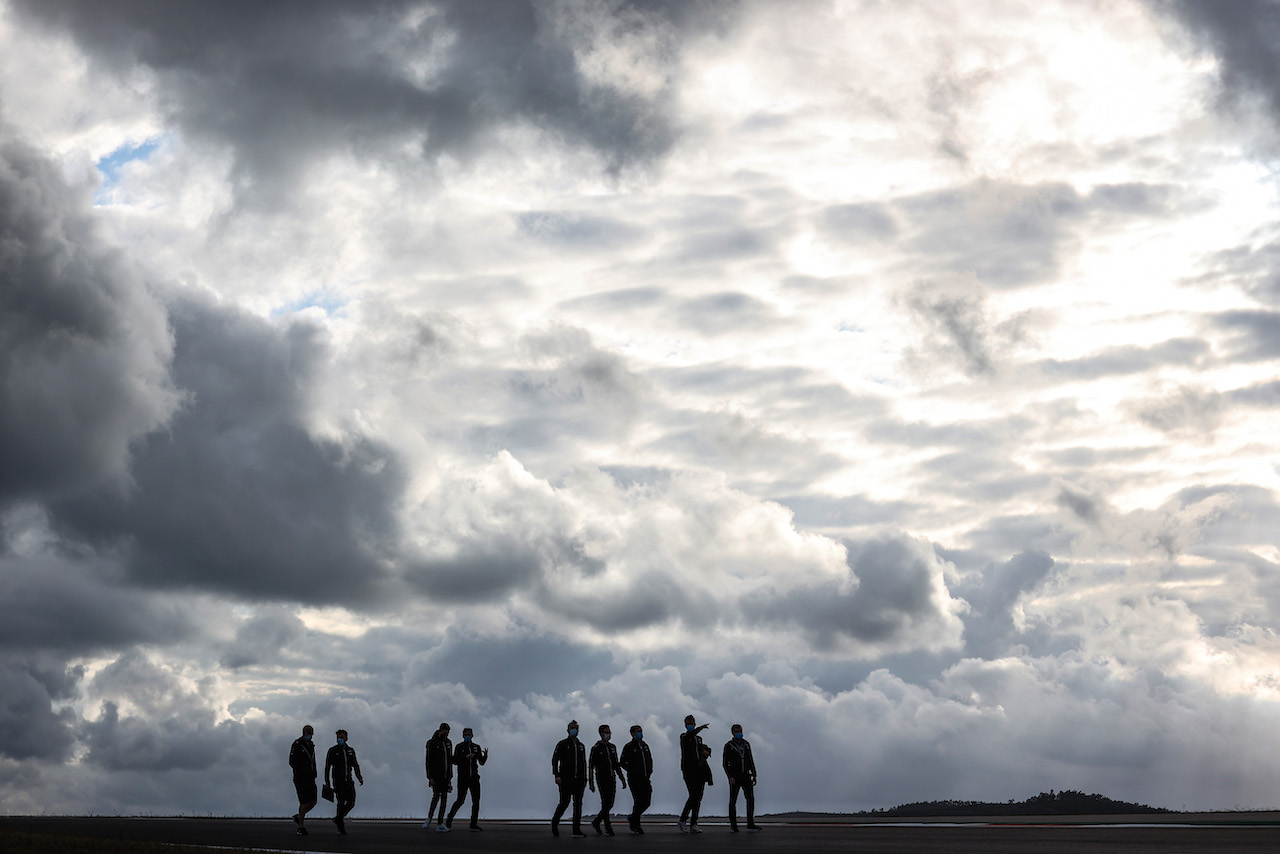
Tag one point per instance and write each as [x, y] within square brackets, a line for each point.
[355, 766]
[726, 761]
[484, 755]
[555, 763]
[328, 763]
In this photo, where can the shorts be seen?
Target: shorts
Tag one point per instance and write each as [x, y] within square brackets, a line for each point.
[306, 789]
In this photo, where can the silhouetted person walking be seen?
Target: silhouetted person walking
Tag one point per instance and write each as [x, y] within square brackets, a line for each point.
[569, 766]
[694, 770]
[740, 767]
[468, 757]
[601, 767]
[637, 761]
[341, 762]
[302, 759]
[439, 775]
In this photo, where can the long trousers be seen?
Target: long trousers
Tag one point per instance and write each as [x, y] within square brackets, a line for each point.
[641, 797]
[464, 786]
[344, 795]
[438, 796]
[570, 790]
[607, 796]
[749, 795]
[694, 803]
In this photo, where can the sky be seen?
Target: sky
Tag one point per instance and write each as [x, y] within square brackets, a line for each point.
[898, 380]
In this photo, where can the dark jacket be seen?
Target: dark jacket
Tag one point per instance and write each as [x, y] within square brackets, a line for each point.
[302, 759]
[440, 759]
[341, 760]
[569, 761]
[692, 762]
[603, 764]
[466, 756]
[738, 762]
[637, 761]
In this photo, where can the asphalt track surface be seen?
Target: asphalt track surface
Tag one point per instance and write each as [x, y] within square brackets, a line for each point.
[374, 836]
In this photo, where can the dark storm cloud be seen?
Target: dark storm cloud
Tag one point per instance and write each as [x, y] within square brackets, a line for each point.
[992, 594]
[83, 345]
[481, 573]
[236, 495]
[263, 638]
[891, 595]
[512, 667]
[283, 81]
[1245, 35]
[29, 686]
[1011, 235]
[167, 744]
[54, 604]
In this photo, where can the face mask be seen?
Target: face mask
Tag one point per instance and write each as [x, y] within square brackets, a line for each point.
[466, 738]
[689, 727]
[342, 741]
[573, 733]
[607, 736]
[639, 736]
[307, 737]
[737, 735]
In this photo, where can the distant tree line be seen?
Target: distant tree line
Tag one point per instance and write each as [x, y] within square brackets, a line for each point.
[1066, 802]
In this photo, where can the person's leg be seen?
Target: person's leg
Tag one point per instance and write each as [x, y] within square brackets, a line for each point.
[457, 804]
[475, 802]
[578, 789]
[695, 793]
[607, 796]
[566, 794]
[749, 794]
[733, 805]
[646, 798]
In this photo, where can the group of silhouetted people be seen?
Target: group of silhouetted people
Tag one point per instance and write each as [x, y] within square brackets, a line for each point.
[340, 767]
[574, 769]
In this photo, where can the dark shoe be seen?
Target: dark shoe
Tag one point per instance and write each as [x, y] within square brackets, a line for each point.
[555, 831]
[578, 834]
[733, 828]
[477, 828]
[608, 829]
[448, 822]
[754, 827]
[639, 830]
[301, 831]
[297, 820]
[595, 825]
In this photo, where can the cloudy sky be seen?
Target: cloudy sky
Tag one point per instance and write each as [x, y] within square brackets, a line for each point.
[896, 379]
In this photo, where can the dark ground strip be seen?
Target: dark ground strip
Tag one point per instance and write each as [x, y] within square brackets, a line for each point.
[393, 837]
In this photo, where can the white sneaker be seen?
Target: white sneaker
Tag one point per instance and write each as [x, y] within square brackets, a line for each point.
[426, 825]
[440, 828]
[683, 828]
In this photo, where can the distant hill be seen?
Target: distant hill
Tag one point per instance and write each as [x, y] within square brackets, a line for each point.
[1045, 803]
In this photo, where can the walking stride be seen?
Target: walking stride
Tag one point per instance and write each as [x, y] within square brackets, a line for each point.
[439, 775]
[601, 768]
[341, 763]
[740, 768]
[637, 761]
[468, 757]
[569, 767]
[302, 759]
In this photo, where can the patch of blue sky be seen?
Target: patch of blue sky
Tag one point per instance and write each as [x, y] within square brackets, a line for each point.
[326, 301]
[111, 167]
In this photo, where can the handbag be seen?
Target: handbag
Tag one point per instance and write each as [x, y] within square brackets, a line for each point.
[326, 792]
